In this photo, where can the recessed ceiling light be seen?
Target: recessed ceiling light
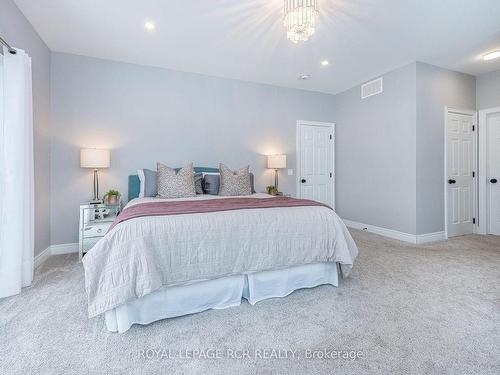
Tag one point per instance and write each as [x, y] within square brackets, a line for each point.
[303, 77]
[149, 25]
[325, 63]
[492, 55]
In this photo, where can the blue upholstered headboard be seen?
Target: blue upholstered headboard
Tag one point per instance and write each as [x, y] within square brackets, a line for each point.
[134, 185]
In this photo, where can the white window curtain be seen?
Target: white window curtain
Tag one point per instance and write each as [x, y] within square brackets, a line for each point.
[16, 173]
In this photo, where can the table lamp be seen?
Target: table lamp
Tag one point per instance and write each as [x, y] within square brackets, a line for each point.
[96, 159]
[276, 162]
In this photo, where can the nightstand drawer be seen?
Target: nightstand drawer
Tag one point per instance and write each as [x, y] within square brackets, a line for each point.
[95, 230]
[88, 243]
[95, 220]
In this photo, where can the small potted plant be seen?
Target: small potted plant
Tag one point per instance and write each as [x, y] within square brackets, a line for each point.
[112, 197]
[271, 189]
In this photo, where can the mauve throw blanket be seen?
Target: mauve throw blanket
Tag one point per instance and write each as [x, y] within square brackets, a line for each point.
[212, 205]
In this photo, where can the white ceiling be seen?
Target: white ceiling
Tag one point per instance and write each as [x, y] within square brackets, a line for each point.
[245, 39]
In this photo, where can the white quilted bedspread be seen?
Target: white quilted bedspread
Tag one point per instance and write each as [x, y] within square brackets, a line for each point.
[144, 254]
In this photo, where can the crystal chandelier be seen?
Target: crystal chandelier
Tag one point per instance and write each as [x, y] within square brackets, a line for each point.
[300, 19]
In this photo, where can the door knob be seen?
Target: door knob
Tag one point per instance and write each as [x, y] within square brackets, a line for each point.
[493, 181]
[451, 181]
[303, 181]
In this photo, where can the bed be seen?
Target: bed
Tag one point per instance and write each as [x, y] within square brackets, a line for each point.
[172, 257]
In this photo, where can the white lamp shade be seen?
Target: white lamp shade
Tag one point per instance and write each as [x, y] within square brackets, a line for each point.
[276, 161]
[94, 158]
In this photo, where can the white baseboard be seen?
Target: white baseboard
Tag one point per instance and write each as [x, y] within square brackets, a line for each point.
[65, 248]
[68, 248]
[431, 237]
[42, 257]
[401, 236]
[406, 237]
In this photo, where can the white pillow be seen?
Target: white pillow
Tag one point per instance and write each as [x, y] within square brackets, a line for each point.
[142, 180]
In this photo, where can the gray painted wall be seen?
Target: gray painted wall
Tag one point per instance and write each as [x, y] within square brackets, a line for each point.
[389, 147]
[16, 29]
[436, 89]
[376, 153]
[146, 114]
[394, 143]
[488, 90]
[390, 151]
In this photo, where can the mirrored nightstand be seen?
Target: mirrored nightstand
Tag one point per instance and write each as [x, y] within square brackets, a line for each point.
[95, 220]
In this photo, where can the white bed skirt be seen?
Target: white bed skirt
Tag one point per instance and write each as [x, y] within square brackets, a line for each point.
[219, 294]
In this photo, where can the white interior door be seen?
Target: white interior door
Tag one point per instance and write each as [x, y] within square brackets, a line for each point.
[460, 165]
[315, 153]
[493, 151]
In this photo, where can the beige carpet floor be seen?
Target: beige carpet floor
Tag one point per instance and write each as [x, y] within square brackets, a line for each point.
[428, 309]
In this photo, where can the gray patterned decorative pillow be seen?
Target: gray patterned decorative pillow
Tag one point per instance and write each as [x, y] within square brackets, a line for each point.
[211, 183]
[198, 182]
[234, 182]
[172, 184]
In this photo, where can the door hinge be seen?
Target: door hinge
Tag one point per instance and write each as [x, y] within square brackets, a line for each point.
[474, 221]
[331, 136]
[473, 127]
[473, 174]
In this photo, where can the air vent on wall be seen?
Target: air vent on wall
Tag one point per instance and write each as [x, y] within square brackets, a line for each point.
[372, 88]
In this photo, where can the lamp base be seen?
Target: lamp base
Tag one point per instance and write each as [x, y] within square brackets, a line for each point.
[96, 201]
